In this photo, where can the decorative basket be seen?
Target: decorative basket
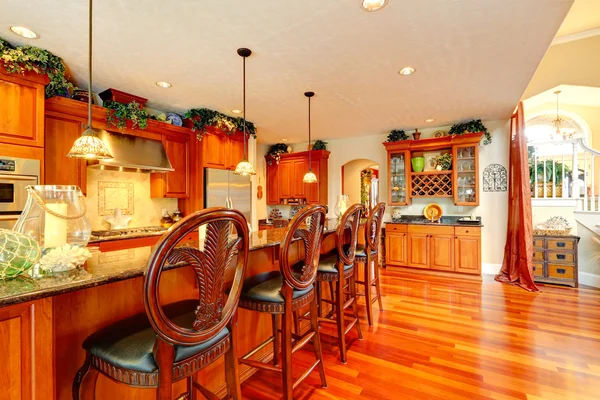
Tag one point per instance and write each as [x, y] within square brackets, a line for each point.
[549, 186]
[551, 232]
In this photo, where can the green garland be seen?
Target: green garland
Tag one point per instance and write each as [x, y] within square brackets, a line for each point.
[397, 135]
[320, 145]
[473, 126]
[118, 114]
[18, 60]
[203, 117]
[276, 151]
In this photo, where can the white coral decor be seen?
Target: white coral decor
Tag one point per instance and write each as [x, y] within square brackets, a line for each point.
[64, 258]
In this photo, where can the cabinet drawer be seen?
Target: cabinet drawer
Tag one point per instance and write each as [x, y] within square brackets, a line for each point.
[538, 255]
[538, 269]
[467, 231]
[431, 230]
[395, 227]
[561, 271]
[561, 257]
[561, 244]
[538, 243]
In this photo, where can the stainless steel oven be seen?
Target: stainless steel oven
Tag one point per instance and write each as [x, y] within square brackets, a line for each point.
[15, 175]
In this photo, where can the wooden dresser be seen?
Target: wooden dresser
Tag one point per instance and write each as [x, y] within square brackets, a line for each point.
[555, 259]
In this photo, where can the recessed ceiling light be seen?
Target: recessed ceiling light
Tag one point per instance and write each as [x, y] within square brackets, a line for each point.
[373, 5]
[283, 140]
[163, 84]
[24, 32]
[407, 71]
[430, 120]
[236, 111]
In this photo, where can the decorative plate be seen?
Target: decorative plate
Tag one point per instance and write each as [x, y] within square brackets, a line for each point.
[174, 119]
[434, 210]
[440, 133]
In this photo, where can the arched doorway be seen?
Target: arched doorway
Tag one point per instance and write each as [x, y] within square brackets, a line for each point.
[360, 181]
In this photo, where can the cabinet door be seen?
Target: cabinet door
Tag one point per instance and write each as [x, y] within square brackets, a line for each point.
[26, 364]
[395, 249]
[273, 183]
[399, 178]
[214, 151]
[441, 250]
[417, 250]
[466, 173]
[177, 182]
[61, 133]
[21, 111]
[467, 254]
[286, 179]
[236, 151]
[300, 168]
[311, 190]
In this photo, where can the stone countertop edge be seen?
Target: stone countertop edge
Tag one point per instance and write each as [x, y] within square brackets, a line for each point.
[446, 221]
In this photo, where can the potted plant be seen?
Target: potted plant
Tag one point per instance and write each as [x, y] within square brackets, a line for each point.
[553, 174]
[418, 162]
[129, 115]
[397, 135]
[319, 145]
[276, 150]
[473, 126]
[443, 162]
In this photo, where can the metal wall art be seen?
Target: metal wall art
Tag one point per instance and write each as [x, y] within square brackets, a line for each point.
[495, 178]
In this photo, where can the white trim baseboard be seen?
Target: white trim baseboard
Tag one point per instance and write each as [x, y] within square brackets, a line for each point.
[490, 269]
[585, 278]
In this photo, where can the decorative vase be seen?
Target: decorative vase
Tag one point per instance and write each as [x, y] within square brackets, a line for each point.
[342, 205]
[55, 216]
[416, 135]
[18, 253]
[418, 163]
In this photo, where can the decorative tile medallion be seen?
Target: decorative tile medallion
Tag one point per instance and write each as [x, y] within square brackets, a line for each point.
[495, 178]
[113, 195]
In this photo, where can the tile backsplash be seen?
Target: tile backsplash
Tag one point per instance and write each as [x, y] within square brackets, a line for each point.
[129, 191]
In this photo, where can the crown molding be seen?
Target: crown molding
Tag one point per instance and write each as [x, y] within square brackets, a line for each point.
[576, 36]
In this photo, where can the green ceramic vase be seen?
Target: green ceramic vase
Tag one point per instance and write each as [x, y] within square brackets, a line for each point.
[418, 163]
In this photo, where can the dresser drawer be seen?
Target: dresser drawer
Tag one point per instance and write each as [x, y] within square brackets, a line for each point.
[431, 229]
[561, 257]
[395, 227]
[538, 269]
[467, 231]
[538, 243]
[561, 271]
[560, 244]
[538, 255]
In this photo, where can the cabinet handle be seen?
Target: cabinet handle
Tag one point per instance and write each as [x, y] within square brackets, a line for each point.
[560, 244]
[560, 270]
[534, 267]
[560, 256]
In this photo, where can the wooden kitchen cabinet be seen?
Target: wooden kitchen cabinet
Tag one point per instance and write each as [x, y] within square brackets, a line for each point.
[441, 248]
[395, 244]
[235, 152]
[173, 184]
[22, 108]
[221, 151]
[273, 188]
[300, 169]
[286, 179]
[418, 249]
[26, 351]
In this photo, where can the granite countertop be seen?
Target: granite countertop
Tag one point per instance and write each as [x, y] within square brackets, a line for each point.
[112, 266]
[449, 220]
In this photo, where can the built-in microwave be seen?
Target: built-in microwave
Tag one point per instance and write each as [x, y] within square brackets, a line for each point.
[15, 175]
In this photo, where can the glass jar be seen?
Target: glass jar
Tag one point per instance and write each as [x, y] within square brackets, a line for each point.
[166, 221]
[342, 205]
[54, 215]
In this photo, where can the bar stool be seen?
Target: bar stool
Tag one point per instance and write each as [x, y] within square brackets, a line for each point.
[367, 254]
[337, 268]
[164, 345]
[281, 293]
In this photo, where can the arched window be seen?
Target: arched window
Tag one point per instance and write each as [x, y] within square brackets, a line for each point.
[541, 132]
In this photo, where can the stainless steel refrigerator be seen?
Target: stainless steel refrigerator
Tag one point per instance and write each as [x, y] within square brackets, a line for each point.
[224, 189]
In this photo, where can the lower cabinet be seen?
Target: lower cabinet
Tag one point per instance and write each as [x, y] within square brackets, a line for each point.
[439, 248]
[26, 351]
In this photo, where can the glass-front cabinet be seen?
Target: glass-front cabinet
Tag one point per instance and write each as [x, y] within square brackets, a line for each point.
[399, 174]
[466, 167]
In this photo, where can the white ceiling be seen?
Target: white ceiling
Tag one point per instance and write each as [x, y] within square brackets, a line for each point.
[583, 16]
[473, 58]
[576, 95]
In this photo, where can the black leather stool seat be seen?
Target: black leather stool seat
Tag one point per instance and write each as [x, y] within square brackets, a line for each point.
[360, 251]
[128, 344]
[266, 287]
[328, 262]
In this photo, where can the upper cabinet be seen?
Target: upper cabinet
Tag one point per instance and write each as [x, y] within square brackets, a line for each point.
[412, 175]
[221, 151]
[285, 179]
[173, 184]
[22, 109]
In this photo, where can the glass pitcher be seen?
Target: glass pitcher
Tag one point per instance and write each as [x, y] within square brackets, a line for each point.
[54, 215]
[342, 205]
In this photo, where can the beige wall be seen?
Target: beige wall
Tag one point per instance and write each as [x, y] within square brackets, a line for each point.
[352, 178]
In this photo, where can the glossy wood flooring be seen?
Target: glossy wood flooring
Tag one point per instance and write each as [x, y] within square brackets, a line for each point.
[441, 338]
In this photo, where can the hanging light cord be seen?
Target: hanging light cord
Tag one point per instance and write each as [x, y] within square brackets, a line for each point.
[309, 148]
[90, 68]
[244, 108]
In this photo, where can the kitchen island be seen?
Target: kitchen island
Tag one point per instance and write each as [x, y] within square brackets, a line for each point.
[44, 321]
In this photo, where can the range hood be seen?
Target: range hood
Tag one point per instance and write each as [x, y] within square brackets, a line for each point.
[133, 154]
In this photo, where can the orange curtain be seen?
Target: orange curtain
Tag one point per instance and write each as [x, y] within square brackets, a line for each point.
[518, 251]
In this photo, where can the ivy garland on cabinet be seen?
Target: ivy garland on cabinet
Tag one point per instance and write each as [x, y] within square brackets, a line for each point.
[473, 126]
[118, 114]
[204, 117]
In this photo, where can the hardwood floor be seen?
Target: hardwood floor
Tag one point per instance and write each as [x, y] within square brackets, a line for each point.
[444, 338]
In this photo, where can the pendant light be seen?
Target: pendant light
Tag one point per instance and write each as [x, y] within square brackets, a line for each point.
[310, 176]
[89, 145]
[244, 168]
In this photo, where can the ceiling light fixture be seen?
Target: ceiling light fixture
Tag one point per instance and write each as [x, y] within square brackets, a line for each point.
[558, 123]
[244, 168]
[163, 84]
[310, 176]
[406, 71]
[430, 120]
[236, 111]
[373, 5]
[24, 32]
[89, 145]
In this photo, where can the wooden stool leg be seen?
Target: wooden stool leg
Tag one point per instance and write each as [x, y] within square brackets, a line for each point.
[367, 280]
[192, 392]
[319, 297]
[287, 350]
[314, 323]
[276, 342]
[339, 309]
[355, 305]
[232, 372]
[377, 281]
[332, 295]
[84, 385]
[296, 323]
[164, 353]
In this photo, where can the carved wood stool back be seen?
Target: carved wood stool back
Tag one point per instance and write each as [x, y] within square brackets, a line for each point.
[212, 331]
[371, 255]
